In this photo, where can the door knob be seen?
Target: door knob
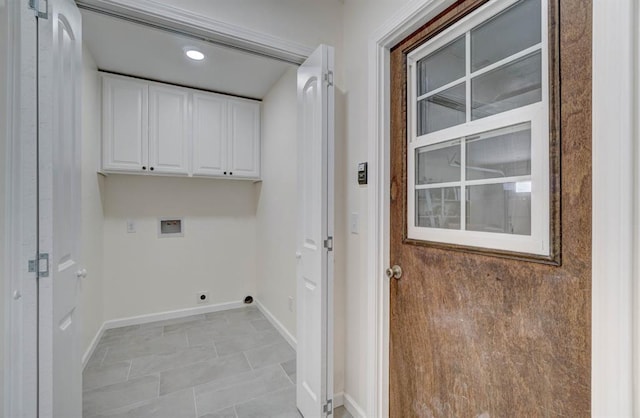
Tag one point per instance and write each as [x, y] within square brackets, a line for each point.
[81, 274]
[395, 272]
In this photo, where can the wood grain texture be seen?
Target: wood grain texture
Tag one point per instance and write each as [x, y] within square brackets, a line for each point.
[478, 336]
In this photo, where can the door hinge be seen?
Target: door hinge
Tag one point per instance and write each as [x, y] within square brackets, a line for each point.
[328, 407]
[328, 77]
[40, 8]
[41, 266]
[328, 243]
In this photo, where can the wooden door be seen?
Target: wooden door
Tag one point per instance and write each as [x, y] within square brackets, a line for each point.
[125, 124]
[477, 334]
[59, 130]
[168, 130]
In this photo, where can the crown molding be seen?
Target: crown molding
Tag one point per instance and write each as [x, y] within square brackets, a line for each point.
[187, 23]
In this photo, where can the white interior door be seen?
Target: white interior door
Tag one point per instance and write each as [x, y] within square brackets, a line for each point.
[59, 84]
[315, 234]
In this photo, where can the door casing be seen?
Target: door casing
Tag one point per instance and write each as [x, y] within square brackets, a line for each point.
[21, 294]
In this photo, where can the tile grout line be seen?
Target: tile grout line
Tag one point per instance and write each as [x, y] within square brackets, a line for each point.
[195, 402]
[129, 371]
[287, 374]
[248, 362]
[104, 356]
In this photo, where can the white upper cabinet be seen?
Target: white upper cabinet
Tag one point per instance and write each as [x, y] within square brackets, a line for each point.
[168, 130]
[244, 139]
[154, 128]
[209, 135]
[124, 124]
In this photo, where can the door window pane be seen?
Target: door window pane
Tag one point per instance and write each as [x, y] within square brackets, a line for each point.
[438, 208]
[509, 32]
[502, 208]
[442, 110]
[513, 85]
[504, 152]
[442, 66]
[438, 163]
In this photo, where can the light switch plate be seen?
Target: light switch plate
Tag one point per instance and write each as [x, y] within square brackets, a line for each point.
[354, 223]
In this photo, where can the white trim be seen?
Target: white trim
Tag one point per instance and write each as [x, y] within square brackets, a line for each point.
[353, 408]
[338, 399]
[277, 324]
[403, 23]
[615, 132]
[162, 316]
[92, 347]
[193, 24]
[21, 356]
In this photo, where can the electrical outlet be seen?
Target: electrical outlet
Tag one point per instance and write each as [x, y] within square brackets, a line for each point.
[291, 303]
[203, 297]
[131, 226]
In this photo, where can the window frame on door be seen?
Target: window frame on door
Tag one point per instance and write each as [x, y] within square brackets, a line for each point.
[543, 244]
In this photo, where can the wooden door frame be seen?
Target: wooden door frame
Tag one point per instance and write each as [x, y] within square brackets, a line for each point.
[615, 360]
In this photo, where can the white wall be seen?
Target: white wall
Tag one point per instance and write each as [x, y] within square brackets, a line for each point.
[4, 83]
[91, 302]
[277, 202]
[361, 19]
[145, 274]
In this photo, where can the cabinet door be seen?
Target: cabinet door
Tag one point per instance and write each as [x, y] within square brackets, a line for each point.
[168, 130]
[244, 139]
[124, 125]
[209, 134]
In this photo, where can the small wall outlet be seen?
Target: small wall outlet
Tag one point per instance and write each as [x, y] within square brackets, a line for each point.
[131, 226]
[203, 297]
[291, 304]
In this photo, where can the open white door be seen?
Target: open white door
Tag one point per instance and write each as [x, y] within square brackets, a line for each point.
[59, 125]
[315, 235]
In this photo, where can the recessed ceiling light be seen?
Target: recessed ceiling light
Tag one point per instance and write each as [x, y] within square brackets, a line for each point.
[194, 54]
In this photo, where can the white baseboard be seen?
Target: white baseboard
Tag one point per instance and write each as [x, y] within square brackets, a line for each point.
[338, 399]
[277, 324]
[162, 316]
[353, 407]
[154, 317]
[92, 347]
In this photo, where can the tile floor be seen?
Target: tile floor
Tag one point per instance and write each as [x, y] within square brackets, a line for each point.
[229, 364]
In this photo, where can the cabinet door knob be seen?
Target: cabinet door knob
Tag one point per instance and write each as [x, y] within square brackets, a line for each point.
[151, 168]
[225, 173]
[144, 168]
[230, 173]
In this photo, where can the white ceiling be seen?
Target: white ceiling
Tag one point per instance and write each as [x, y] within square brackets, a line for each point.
[137, 50]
